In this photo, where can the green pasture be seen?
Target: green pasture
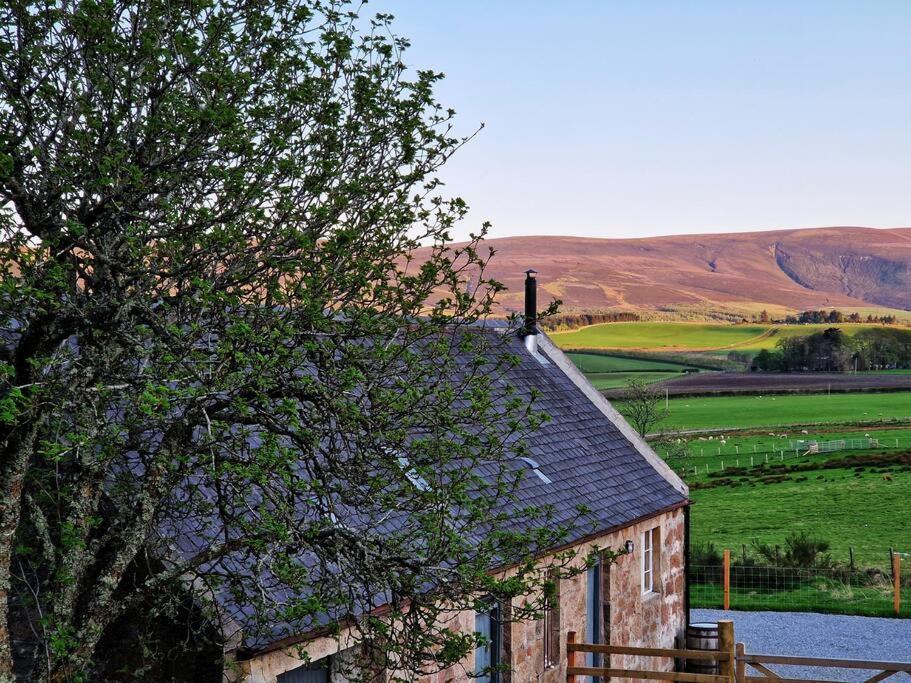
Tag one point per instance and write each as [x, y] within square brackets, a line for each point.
[598, 363]
[820, 594]
[710, 453]
[766, 490]
[864, 510]
[756, 411]
[720, 337]
[659, 335]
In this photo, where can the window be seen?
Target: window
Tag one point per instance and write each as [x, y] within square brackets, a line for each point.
[317, 672]
[487, 655]
[416, 479]
[651, 560]
[593, 615]
[552, 621]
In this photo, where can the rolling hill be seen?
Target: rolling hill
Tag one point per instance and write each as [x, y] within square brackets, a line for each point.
[843, 267]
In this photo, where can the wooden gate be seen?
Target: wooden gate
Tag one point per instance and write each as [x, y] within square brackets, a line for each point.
[760, 664]
[732, 659]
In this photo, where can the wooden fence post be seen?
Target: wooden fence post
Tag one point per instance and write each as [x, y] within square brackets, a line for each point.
[570, 655]
[727, 579]
[726, 645]
[740, 666]
[897, 583]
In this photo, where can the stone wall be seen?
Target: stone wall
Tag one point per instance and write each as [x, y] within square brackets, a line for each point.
[636, 619]
[651, 620]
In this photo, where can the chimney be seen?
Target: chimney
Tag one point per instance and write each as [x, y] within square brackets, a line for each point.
[530, 328]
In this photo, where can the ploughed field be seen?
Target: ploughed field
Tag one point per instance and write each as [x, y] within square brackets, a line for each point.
[613, 382]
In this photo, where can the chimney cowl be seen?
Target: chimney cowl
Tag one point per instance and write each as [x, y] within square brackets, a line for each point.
[531, 303]
[530, 323]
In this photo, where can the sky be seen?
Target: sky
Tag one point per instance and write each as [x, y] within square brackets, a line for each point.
[636, 118]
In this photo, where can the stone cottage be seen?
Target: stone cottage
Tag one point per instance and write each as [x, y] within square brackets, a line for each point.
[587, 454]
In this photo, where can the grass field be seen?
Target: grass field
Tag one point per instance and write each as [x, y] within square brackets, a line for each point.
[866, 511]
[752, 485]
[660, 335]
[718, 337]
[595, 363]
[715, 451]
[749, 486]
[612, 372]
[740, 412]
[819, 594]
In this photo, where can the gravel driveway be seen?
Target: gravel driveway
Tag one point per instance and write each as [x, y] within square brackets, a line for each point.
[818, 635]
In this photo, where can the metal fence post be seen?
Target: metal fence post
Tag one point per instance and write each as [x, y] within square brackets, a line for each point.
[897, 583]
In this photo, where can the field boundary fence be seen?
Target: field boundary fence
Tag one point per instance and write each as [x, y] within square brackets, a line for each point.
[817, 425]
[833, 590]
[709, 457]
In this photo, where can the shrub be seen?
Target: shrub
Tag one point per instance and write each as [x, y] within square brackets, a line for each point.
[705, 554]
[800, 550]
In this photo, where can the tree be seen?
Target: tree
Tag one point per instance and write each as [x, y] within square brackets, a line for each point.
[642, 404]
[767, 361]
[219, 371]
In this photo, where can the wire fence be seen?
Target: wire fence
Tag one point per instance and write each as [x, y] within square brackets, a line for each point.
[711, 448]
[702, 460]
[868, 592]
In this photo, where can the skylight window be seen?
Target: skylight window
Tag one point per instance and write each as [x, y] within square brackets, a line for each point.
[533, 464]
[416, 479]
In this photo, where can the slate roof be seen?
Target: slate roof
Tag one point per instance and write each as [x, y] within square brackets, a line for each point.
[586, 455]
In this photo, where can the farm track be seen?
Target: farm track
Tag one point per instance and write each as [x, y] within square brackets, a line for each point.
[730, 383]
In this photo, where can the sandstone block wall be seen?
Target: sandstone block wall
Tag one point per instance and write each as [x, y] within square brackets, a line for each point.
[648, 620]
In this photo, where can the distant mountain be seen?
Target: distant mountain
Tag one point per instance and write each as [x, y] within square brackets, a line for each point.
[782, 269]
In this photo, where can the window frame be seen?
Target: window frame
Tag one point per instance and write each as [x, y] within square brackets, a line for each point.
[650, 561]
[552, 623]
[593, 614]
[494, 647]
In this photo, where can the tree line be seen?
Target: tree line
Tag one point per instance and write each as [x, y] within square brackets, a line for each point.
[823, 317]
[571, 321]
[831, 350]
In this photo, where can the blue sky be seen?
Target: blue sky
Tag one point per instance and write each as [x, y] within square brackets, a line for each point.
[625, 119]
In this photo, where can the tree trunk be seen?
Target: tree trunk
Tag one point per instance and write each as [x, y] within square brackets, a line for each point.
[17, 451]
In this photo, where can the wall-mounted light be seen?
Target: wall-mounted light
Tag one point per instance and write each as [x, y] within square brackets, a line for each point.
[629, 546]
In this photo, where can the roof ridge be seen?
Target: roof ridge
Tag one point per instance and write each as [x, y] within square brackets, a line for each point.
[597, 398]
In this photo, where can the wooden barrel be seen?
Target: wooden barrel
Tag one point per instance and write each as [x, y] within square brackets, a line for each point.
[702, 636]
